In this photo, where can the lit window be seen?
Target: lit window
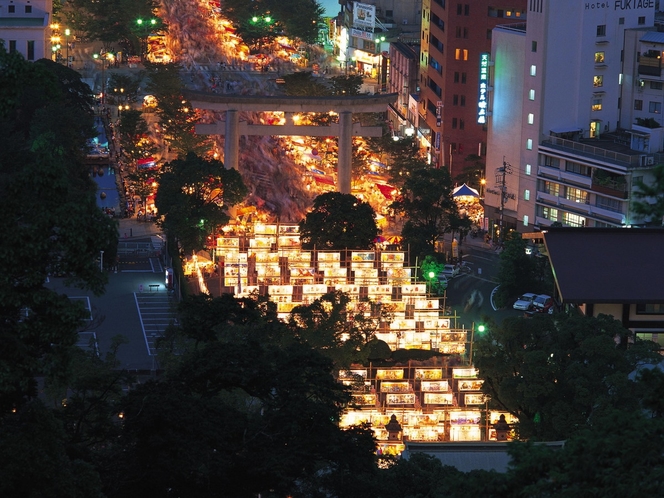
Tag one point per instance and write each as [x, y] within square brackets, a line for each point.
[531, 118]
[529, 144]
[528, 169]
[531, 94]
[525, 220]
[526, 195]
[598, 80]
[599, 57]
[655, 107]
[533, 70]
[597, 105]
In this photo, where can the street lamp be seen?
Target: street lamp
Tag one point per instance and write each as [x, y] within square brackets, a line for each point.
[67, 33]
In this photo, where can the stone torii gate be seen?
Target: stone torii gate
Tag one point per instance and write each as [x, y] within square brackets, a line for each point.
[232, 128]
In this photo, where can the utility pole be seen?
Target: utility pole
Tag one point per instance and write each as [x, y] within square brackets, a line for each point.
[505, 169]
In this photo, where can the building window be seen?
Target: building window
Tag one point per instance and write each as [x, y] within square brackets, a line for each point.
[28, 9]
[547, 213]
[597, 105]
[638, 105]
[526, 195]
[31, 50]
[531, 118]
[462, 100]
[655, 107]
[11, 9]
[533, 70]
[599, 57]
[389, 13]
[656, 85]
[642, 20]
[461, 124]
[549, 188]
[576, 195]
[531, 94]
[601, 30]
[609, 204]
[525, 220]
[598, 80]
[621, 20]
[12, 46]
[650, 309]
[454, 123]
[533, 46]
[461, 54]
[463, 78]
[529, 144]
[576, 168]
[456, 77]
[552, 162]
[574, 220]
[459, 9]
[455, 100]
[466, 10]
[528, 169]
[458, 31]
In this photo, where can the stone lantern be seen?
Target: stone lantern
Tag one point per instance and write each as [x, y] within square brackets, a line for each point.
[393, 428]
[502, 428]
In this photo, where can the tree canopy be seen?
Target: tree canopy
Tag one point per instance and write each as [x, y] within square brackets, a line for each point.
[427, 203]
[339, 221]
[649, 201]
[50, 216]
[557, 372]
[193, 197]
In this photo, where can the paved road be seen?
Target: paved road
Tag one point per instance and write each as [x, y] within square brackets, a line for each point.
[130, 306]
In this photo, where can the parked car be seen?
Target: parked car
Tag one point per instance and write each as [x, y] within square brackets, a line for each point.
[543, 304]
[449, 271]
[524, 302]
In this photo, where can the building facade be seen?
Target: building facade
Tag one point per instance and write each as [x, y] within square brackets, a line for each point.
[365, 31]
[404, 82]
[25, 27]
[568, 134]
[454, 37]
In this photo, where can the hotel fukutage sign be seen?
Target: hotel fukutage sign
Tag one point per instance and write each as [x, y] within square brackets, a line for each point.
[482, 97]
[621, 5]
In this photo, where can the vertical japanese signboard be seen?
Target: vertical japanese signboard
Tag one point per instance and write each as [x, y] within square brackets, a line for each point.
[482, 98]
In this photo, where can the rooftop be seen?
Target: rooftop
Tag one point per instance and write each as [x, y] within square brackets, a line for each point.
[607, 265]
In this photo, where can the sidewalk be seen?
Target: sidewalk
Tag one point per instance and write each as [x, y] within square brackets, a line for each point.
[131, 228]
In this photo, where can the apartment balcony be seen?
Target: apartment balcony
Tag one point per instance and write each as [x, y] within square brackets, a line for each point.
[608, 149]
[613, 189]
[650, 66]
[606, 215]
[564, 176]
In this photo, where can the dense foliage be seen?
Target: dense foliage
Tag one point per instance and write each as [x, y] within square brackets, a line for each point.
[51, 223]
[556, 373]
[339, 221]
[194, 196]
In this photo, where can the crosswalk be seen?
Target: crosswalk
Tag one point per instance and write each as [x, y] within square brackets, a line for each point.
[156, 311]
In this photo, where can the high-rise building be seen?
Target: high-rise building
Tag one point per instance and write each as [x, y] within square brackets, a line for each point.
[455, 37]
[574, 114]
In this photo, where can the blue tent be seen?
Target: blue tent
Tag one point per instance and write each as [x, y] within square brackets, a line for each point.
[465, 190]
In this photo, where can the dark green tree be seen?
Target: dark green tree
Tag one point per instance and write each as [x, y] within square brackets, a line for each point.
[472, 173]
[520, 272]
[48, 204]
[339, 221]
[122, 88]
[346, 85]
[176, 115]
[193, 197]
[134, 136]
[555, 373]
[650, 197]
[251, 410]
[427, 204]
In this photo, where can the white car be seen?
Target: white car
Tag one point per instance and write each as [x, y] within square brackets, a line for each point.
[524, 302]
[450, 271]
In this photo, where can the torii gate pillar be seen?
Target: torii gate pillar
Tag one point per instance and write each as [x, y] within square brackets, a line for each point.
[232, 139]
[345, 154]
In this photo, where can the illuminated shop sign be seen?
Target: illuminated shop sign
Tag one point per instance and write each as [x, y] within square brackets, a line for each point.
[482, 99]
